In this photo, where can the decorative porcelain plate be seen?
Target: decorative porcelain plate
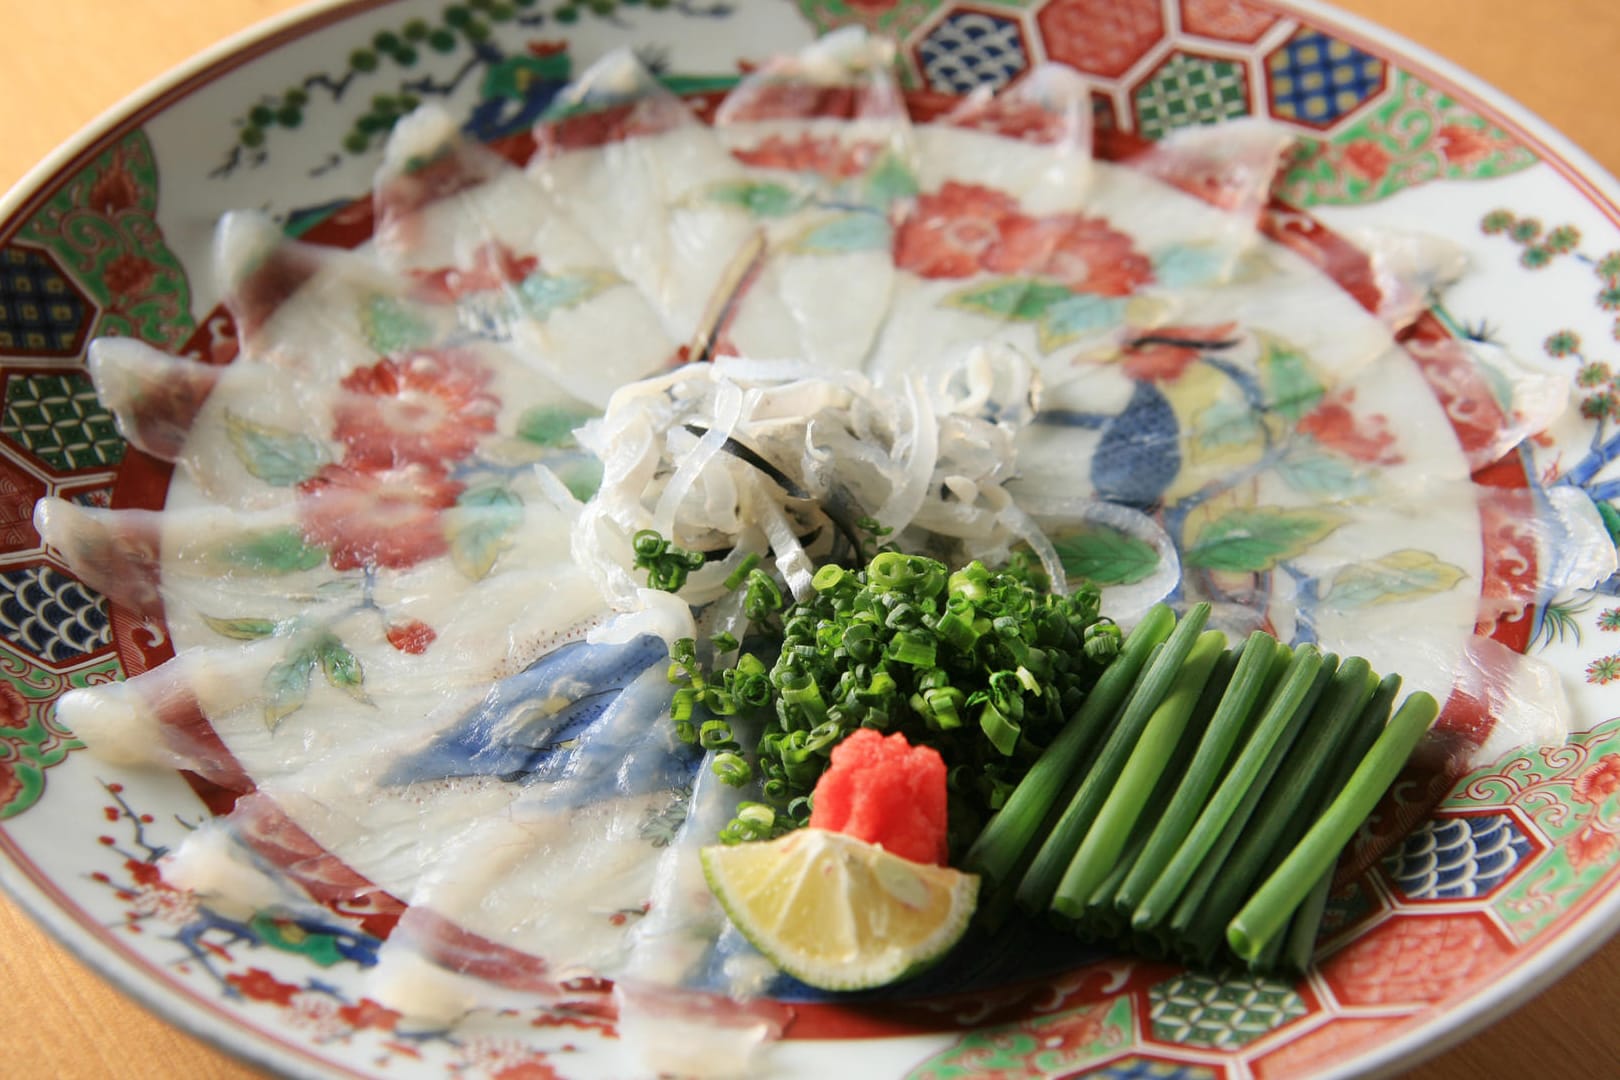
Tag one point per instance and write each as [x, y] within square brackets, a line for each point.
[322, 537]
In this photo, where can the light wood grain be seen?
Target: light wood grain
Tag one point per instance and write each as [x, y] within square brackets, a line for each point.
[63, 62]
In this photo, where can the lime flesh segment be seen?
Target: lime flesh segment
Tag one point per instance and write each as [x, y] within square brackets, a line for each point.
[836, 912]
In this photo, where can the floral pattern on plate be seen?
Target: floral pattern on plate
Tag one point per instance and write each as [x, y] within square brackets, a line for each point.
[127, 280]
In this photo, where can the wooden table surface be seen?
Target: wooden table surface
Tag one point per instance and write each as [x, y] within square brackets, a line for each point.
[64, 61]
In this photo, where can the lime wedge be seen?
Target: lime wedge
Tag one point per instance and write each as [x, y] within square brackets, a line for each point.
[839, 913]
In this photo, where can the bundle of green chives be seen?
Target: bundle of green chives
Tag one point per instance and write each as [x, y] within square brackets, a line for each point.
[1196, 803]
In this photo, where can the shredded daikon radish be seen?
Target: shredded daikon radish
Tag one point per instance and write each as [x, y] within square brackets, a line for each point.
[748, 456]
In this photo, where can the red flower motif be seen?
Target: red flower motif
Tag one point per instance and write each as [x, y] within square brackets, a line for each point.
[1464, 145]
[825, 156]
[1588, 846]
[1598, 782]
[963, 229]
[533, 1069]
[368, 1014]
[10, 784]
[952, 229]
[1367, 159]
[129, 275]
[411, 636]
[382, 517]
[427, 409]
[493, 266]
[145, 873]
[1333, 425]
[1163, 355]
[13, 707]
[259, 985]
[1082, 252]
[114, 190]
[542, 49]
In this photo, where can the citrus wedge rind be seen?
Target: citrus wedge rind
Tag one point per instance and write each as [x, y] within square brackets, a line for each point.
[838, 913]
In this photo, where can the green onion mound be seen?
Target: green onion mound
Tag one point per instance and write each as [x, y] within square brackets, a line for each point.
[985, 666]
[1157, 791]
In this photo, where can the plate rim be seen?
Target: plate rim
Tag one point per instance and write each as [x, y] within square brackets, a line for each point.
[201, 1018]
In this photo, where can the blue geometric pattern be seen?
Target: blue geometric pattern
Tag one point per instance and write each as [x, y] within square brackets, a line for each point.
[1315, 79]
[969, 49]
[41, 313]
[1458, 857]
[52, 616]
[1141, 1068]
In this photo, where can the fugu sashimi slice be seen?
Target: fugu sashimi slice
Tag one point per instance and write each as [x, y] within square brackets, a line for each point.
[157, 717]
[154, 397]
[1544, 544]
[564, 874]
[1278, 368]
[1001, 245]
[1407, 269]
[686, 940]
[258, 557]
[522, 720]
[652, 186]
[219, 570]
[1493, 398]
[1230, 166]
[351, 309]
[471, 230]
[825, 139]
[1031, 140]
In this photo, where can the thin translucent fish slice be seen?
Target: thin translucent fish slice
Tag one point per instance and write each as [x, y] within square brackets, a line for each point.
[825, 144]
[471, 231]
[154, 397]
[313, 312]
[585, 839]
[653, 187]
[1000, 246]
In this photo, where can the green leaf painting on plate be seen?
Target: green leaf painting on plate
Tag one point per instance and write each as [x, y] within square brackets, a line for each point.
[1390, 579]
[1105, 556]
[279, 457]
[286, 686]
[1251, 540]
[480, 526]
[272, 551]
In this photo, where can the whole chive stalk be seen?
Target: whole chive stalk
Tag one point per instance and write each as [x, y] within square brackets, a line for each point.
[1291, 803]
[1199, 938]
[1001, 845]
[1268, 910]
[1278, 718]
[1110, 830]
[1231, 719]
[1307, 921]
[1102, 905]
[996, 899]
[1052, 859]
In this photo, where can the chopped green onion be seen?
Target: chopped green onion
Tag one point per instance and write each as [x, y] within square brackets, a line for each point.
[735, 579]
[731, 768]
